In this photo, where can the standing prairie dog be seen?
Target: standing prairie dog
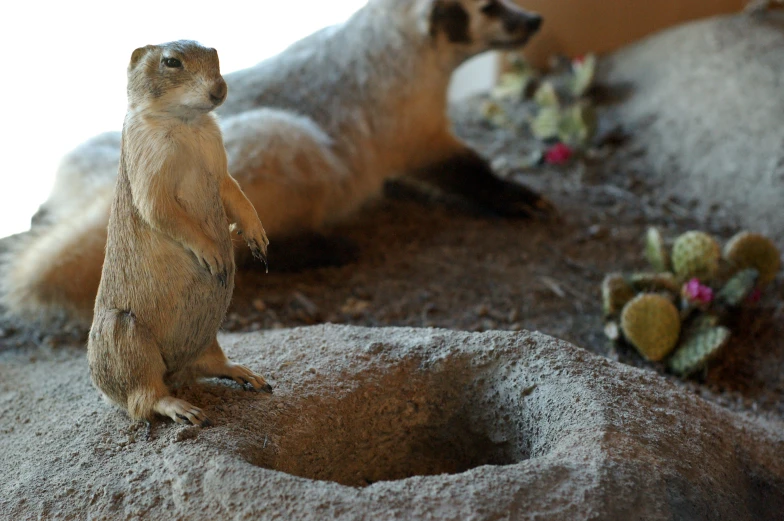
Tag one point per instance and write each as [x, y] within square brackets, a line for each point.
[168, 275]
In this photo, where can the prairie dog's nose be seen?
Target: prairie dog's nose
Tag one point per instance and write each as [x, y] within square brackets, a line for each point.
[218, 92]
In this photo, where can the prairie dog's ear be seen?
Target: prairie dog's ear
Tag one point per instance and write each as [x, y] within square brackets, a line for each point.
[447, 17]
[137, 56]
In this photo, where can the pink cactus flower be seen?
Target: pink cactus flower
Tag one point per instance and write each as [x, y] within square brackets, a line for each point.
[558, 154]
[755, 296]
[697, 293]
[578, 60]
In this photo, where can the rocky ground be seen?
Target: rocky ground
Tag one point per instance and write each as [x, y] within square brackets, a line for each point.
[428, 265]
[387, 423]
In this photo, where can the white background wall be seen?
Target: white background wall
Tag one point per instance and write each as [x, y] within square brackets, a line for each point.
[62, 73]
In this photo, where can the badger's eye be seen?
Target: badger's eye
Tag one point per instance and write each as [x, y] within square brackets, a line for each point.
[491, 8]
[173, 63]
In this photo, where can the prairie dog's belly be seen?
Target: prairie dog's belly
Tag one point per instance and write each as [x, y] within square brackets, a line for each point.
[171, 295]
[190, 302]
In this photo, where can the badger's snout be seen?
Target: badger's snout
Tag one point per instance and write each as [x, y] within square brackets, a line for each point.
[526, 23]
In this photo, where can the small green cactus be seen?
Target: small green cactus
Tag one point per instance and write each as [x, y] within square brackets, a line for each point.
[616, 292]
[546, 95]
[656, 251]
[739, 287]
[653, 282]
[545, 125]
[752, 250]
[494, 113]
[695, 255]
[697, 349]
[651, 323]
[584, 73]
[514, 83]
[577, 124]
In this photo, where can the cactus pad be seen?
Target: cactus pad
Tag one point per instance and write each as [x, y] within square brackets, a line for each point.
[655, 251]
[584, 72]
[616, 292]
[577, 124]
[698, 349]
[652, 324]
[752, 250]
[546, 96]
[653, 282]
[545, 124]
[695, 255]
[739, 287]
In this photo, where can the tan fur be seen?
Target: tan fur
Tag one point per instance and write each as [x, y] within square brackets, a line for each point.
[311, 135]
[168, 273]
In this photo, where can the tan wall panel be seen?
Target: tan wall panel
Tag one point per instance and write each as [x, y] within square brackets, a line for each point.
[575, 27]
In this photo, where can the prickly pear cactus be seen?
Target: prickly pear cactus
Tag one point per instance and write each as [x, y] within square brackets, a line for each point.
[752, 250]
[688, 303]
[698, 349]
[656, 251]
[584, 72]
[653, 282]
[695, 255]
[546, 95]
[652, 324]
[739, 287]
[616, 292]
[494, 113]
[545, 125]
[577, 124]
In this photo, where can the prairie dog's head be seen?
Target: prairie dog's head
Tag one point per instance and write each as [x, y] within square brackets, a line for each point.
[181, 78]
[475, 26]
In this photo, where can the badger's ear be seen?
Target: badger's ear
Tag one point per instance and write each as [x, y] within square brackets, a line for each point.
[447, 17]
[137, 56]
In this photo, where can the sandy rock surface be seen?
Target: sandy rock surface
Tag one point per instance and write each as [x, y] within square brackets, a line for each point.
[387, 423]
[706, 109]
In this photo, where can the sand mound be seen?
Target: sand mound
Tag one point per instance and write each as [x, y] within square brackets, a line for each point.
[388, 424]
[708, 112]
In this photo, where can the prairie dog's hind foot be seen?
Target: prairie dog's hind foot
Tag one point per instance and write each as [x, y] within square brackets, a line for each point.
[214, 364]
[245, 377]
[181, 411]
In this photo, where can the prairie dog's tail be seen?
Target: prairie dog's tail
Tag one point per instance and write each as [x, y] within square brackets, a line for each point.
[51, 274]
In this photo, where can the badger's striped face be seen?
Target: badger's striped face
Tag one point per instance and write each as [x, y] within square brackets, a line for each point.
[480, 25]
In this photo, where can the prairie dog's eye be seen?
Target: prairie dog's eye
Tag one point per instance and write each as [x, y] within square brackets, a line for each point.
[173, 63]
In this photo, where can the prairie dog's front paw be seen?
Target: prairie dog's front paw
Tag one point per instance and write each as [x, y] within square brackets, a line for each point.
[257, 241]
[209, 258]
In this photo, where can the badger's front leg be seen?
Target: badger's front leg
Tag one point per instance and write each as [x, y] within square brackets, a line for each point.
[463, 172]
[243, 216]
